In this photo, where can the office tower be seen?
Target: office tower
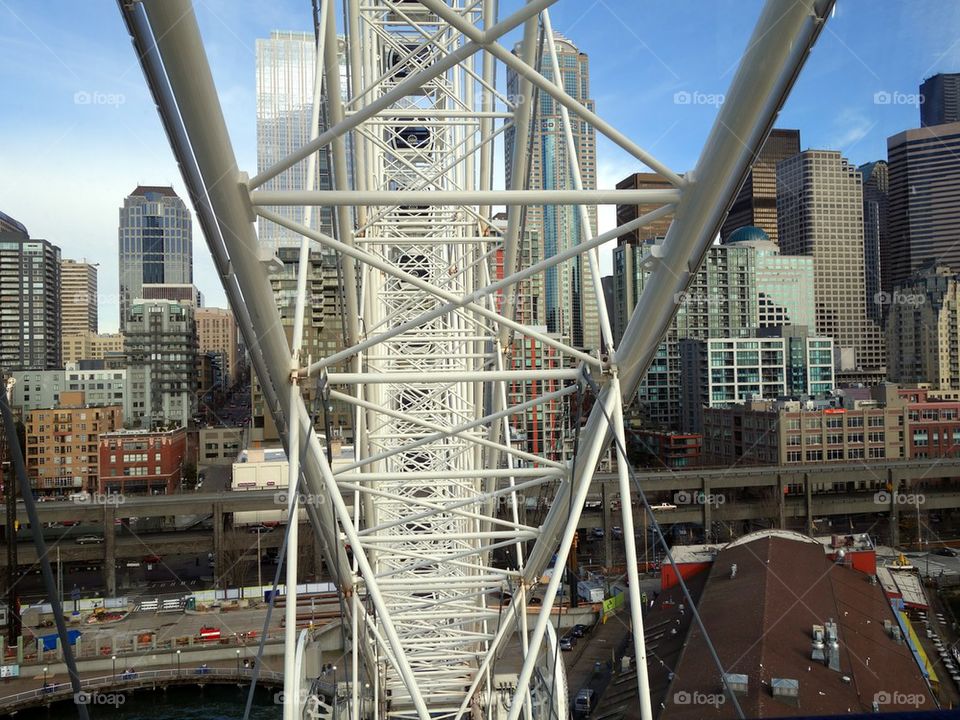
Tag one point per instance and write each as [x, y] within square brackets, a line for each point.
[217, 333]
[183, 293]
[784, 283]
[322, 336]
[756, 203]
[61, 456]
[721, 302]
[924, 212]
[923, 327]
[78, 297]
[29, 299]
[162, 335]
[286, 64]
[156, 243]
[570, 303]
[941, 99]
[820, 214]
[875, 236]
[626, 213]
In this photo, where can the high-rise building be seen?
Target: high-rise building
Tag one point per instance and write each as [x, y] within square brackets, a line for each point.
[156, 243]
[626, 213]
[756, 203]
[875, 235]
[941, 99]
[771, 364]
[820, 214]
[61, 452]
[721, 302]
[570, 303]
[78, 297]
[217, 333]
[923, 327]
[29, 300]
[784, 283]
[322, 336]
[162, 335]
[286, 64]
[924, 211]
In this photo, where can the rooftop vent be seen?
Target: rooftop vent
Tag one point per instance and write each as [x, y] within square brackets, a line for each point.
[733, 571]
[785, 687]
[818, 644]
[736, 682]
[833, 645]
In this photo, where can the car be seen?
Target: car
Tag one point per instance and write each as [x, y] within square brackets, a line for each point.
[946, 552]
[578, 630]
[597, 532]
[260, 529]
[566, 643]
[88, 539]
[151, 559]
[617, 532]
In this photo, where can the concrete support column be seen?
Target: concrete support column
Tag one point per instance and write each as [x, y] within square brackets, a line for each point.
[781, 501]
[218, 550]
[808, 494]
[607, 540]
[892, 491]
[705, 510]
[110, 548]
[317, 556]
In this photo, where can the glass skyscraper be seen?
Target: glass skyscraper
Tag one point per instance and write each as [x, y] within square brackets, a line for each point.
[941, 99]
[156, 243]
[570, 304]
[286, 64]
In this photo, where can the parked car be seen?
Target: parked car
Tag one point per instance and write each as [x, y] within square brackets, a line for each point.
[597, 532]
[617, 532]
[946, 552]
[566, 643]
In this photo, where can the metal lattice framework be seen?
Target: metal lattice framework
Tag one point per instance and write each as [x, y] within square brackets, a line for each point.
[430, 321]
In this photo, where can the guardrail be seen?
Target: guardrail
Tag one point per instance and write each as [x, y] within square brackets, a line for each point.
[131, 680]
[89, 650]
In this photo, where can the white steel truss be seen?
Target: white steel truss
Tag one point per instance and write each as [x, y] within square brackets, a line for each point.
[430, 290]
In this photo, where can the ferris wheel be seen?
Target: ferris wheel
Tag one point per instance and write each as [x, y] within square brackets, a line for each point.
[411, 527]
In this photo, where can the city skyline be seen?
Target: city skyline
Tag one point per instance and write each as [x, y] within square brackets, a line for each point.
[870, 89]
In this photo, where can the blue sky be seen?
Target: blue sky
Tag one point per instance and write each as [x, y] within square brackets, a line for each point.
[66, 164]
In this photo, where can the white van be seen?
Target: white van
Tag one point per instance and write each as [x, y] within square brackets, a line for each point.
[584, 701]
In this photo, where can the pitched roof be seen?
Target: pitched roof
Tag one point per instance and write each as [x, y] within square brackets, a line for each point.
[761, 623]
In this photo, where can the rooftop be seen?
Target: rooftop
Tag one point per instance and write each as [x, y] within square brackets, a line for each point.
[761, 618]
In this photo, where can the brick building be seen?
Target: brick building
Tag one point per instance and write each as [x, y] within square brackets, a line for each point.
[141, 462]
[61, 444]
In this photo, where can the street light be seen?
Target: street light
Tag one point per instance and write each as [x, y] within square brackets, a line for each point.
[238, 662]
[114, 658]
[178, 663]
[45, 677]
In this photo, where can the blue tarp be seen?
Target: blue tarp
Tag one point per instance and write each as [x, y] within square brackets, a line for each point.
[50, 641]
